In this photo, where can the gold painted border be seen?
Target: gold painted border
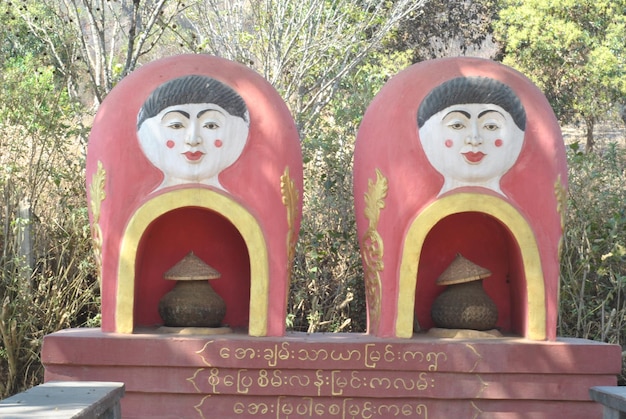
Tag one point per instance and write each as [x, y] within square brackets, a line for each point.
[97, 195]
[290, 201]
[245, 223]
[372, 247]
[472, 202]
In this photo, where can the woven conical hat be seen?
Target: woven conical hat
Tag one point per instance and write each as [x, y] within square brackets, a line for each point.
[191, 268]
[462, 270]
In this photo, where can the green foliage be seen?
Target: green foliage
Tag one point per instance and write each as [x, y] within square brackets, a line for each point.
[44, 102]
[46, 274]
[16, 38]
[593, 263]
[573, 50]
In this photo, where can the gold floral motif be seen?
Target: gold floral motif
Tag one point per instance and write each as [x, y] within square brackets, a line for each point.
[372, 245]
[561, 205]
[97, 195]
[561, 199]
[290, 201]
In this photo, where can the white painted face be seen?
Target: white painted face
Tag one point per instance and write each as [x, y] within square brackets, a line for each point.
[193, 142]
[471, 144]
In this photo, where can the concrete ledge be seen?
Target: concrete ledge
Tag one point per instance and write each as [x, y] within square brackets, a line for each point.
[66, 399]
[613, 399]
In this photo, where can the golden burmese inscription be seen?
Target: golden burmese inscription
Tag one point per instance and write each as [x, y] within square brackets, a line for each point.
[283, 407]
[353, 381]
[309, 382]
[359, 356]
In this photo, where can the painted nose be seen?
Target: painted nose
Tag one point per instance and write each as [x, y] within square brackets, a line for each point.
[193, 136]
[474, 137]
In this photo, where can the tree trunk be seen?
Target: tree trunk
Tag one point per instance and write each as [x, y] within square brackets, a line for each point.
[25, 245]
[589, 124]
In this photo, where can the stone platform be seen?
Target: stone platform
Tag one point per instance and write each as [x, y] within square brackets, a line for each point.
[65, 399]
[337, 375]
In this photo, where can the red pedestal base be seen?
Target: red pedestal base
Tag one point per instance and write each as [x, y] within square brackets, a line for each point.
[337, 375]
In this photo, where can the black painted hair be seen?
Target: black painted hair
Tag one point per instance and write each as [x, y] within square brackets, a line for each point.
[466, 90]
[192, 89]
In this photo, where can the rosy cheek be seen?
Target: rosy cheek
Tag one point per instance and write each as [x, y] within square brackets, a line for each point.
[498, 143]
[218, 143]
[170, 144]
[449, 143]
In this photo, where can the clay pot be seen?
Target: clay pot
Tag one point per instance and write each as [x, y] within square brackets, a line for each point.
[464, 304]
[192, 302]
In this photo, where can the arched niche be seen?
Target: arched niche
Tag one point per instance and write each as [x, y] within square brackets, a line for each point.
[524, 302]
[161, 220]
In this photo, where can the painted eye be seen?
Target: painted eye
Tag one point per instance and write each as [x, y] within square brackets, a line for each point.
[491, 126]
[211, 125]
[176, 125]
[456, 125]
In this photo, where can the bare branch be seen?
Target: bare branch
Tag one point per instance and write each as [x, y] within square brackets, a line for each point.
[304, 48]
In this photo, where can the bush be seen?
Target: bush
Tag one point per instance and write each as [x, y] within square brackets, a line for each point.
[593, 262]
[46, 271]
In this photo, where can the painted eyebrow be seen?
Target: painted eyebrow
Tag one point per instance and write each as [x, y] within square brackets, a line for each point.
[466, 114]
[202, 112]
[185, 114]
[480, 115]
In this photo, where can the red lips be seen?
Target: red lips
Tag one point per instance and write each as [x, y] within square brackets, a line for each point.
[193, 155]
[473, 157]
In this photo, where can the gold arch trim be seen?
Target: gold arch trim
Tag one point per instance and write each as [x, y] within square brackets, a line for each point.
[245, 223]
[486, 204]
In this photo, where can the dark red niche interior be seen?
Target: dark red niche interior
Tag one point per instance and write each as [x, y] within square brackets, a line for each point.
[485, 241]
[214, 240]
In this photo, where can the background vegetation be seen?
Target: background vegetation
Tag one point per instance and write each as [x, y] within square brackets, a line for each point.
[327, 58]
